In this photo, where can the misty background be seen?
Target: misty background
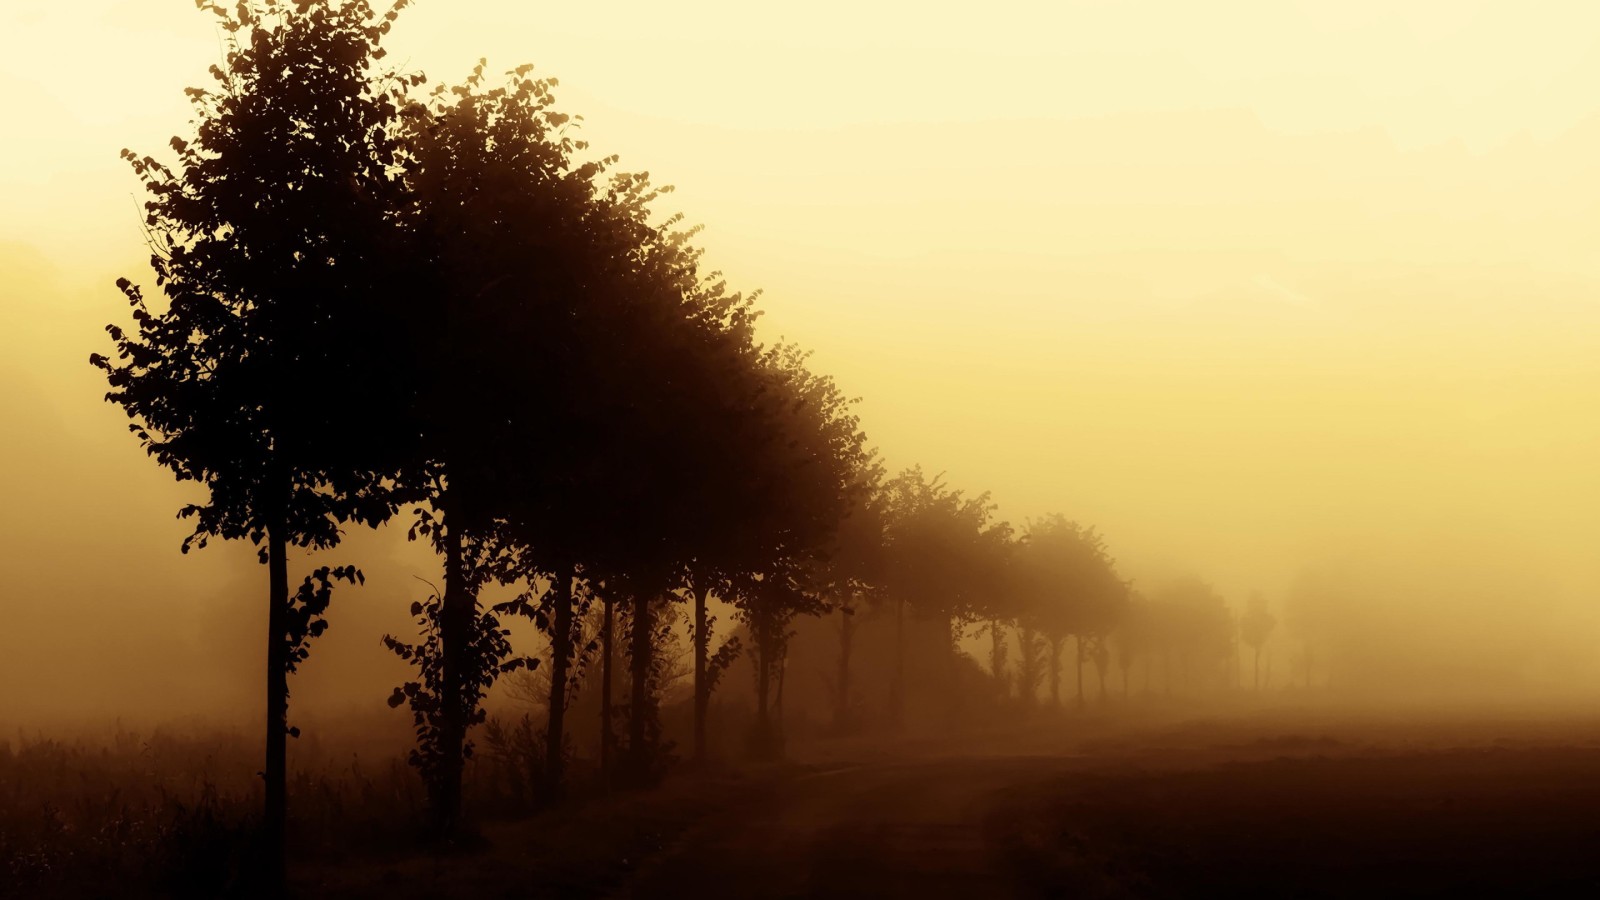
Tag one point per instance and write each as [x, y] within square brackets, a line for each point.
[1308, 309]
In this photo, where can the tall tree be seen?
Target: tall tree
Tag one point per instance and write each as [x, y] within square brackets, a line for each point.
[274, 243]
[499, 210]
[787, 558]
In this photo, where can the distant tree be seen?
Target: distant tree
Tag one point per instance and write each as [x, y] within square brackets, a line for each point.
[1069, 587]
[1313, 613]
[1134, 638]
[264, 375]
[1100, 655]
[789, 559]
[944, 555]
[1000, 610]
[852, 577]
[1193, 627]
[1033, 660]
[1254, 628]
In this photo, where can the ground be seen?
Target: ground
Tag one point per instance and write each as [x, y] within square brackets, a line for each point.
[1273, 803]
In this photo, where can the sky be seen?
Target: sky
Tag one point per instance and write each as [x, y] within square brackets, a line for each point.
[1256, 286]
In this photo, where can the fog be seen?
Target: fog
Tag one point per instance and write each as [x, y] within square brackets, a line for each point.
[1309, 310]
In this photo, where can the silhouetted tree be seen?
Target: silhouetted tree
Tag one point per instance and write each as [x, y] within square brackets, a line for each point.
[792, 487]
[1069, 588]
[944, 556]
[263, 376]
[501, 218]
[851, 577]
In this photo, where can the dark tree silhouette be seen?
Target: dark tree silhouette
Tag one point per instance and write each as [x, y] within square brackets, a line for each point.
[809, 479]
[493, 201]
[273, 241]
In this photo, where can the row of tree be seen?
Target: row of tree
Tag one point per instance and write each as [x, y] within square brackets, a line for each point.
[382, 300]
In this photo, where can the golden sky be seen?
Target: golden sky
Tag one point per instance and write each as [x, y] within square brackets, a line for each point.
[1253, 285]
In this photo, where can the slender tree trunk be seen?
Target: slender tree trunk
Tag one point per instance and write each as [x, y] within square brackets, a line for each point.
[1025, 669]
[997, 662]
[1100, 668]
[639, 702]
[763, 687]
[702, 690]
[455, 625]
[782, 665]
[560, 659]
[897, 687]
[841, 710]
[1079, 667]
[275, 773]
[1055, 671]
[608, 653]
[956, 701]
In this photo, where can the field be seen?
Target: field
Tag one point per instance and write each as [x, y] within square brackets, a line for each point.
[1284, 802]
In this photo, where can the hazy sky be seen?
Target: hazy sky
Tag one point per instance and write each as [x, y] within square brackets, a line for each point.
[1253, 285]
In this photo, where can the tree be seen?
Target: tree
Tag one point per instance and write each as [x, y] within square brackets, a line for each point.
[273, 241]
[500, 217]
[1254, 628]
[823, 474]
[1069, 587]
[1135, 638]
[1192, 625]
[944, 555]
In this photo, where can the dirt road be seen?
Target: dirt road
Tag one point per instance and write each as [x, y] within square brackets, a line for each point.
[913, 829]
[1275, 805]
[1204, 812]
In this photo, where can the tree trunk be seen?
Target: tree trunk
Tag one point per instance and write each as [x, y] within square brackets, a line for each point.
[776, 727]
[1028, 668]
[1258, 669]
[638, 708]
[841, 710]
[763, 741]
[560, 658]
[275, 774]
[897, 686]
[1079, 667]
[1100, 668]
[997, 662]
[702, 690]
[955, 704]
[1055, 671]
[455, 625]
[608, 653]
